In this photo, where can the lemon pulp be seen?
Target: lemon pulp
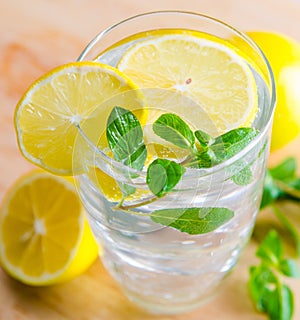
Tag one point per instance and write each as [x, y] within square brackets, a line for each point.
[202, 78]
[76, 94]
[44, 234]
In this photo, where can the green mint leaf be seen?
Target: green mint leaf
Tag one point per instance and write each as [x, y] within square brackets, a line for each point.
[289, 188]
[271, 191]
[278, 303]
[290, 268]
[287, 303]
[261, 277]
[125, 138]
[172, 128]
[193, 220]
[271, 250]
[163, 175]
[294, 183]
[269, 295]
[285, 170]
[289, 227]
[229, 144]
[243, 177]
[126, 189]
[201, 160]
[204, 138]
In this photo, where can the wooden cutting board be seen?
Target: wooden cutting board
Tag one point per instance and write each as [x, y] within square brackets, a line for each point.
[39, 35]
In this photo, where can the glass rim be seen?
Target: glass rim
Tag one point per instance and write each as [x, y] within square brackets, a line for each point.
[244, 36]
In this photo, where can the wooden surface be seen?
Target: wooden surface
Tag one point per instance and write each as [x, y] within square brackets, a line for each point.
[37, 35]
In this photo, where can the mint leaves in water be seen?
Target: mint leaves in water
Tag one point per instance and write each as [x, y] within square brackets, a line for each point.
[193, 220]
[125, 138]
[163, 175]
[172, 128]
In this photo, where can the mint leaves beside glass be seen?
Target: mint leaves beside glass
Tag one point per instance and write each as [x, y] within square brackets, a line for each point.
[266, 282]
[281, 182]
[125, 139]
[269, 294]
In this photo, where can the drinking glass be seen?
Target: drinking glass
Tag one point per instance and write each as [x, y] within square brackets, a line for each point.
[161, 269]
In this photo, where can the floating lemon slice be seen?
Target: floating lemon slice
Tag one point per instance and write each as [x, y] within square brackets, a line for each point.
[44, 234]
[200, 77]
[79, 94]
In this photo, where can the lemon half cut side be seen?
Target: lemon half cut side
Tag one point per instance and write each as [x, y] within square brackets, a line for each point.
[44, 234]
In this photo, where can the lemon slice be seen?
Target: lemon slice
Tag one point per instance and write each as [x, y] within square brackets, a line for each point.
[44, 234]
[200, 77]
[76, 94]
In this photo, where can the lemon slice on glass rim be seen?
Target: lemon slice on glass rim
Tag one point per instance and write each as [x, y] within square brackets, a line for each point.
[72, 95]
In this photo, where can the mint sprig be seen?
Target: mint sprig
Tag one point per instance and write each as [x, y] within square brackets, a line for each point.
[268, 292]
[125, 138]
[281, 182]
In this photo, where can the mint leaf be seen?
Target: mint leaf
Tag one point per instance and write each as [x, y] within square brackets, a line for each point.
[286, 306]
[126, 189]
[204, 138]
[125, 138]
[163, 175]
[281, 181]
[285, 170]
[200, 160]
[172, 128]
[294, 183]
[229, 144]
[289, 227]
[271, 191]
[193, 220]
[271, 249]
[269, 295]
[290, 268]
[261, 277]
[243, 177]
[217, 150]
[278, 303]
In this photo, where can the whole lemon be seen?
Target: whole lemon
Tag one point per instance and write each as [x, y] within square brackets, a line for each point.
[283, 54]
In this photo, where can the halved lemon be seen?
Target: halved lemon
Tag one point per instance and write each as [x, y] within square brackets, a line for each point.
[44, 234]
[285, 63]
[79, 94]
[203, 79]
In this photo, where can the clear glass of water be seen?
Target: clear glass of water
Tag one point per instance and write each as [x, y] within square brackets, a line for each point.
[158, 267]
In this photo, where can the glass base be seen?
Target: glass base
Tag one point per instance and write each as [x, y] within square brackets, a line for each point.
[172, 308]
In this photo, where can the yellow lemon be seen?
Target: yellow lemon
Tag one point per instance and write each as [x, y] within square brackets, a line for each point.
[203, 79]
[44, 234]
[50, 114]
[283, 54]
